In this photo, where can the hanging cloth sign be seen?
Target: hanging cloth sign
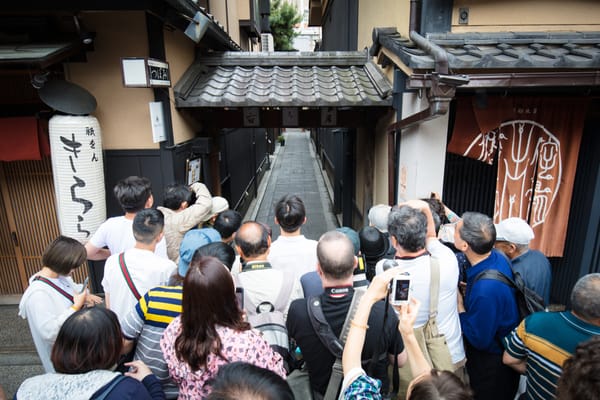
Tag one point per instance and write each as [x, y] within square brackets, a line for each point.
[536, 140]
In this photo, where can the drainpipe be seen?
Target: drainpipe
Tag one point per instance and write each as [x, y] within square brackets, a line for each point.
[443, 85]
[414, 23]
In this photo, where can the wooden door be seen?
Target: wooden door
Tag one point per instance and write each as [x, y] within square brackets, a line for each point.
[28, 221]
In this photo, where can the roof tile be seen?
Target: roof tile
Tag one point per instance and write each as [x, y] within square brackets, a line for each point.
[338, 79]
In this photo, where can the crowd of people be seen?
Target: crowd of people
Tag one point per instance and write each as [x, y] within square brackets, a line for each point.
[199, 304]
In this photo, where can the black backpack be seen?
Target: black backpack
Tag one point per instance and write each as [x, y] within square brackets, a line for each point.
[528, 301]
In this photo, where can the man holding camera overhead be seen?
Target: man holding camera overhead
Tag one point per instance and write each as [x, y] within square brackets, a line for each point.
[412, 232]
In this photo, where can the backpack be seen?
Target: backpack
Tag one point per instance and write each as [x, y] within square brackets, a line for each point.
[269, 319]
[528, 301]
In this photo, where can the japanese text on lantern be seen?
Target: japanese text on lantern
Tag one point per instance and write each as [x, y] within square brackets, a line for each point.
[74, 147]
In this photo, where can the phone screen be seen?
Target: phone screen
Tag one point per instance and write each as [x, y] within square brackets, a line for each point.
[402, 287]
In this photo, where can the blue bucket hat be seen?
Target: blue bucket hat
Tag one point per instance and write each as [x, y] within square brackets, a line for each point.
[192, 240]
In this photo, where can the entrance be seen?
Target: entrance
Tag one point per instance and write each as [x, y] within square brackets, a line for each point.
[27, 221]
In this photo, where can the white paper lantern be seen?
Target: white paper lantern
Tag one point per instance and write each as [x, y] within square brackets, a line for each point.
[78, 171]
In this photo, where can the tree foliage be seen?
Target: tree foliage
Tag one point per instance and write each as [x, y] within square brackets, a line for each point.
[282, 20]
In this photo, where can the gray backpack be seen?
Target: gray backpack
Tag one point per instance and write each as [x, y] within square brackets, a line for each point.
[269, 319]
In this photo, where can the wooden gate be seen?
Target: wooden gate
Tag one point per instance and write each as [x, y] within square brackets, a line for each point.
[28, 222]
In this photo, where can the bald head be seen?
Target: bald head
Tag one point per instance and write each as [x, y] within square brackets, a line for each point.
[252, 240]
[336, 255]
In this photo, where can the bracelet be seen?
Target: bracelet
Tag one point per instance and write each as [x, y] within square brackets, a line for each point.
[74, 309]
[355, 325]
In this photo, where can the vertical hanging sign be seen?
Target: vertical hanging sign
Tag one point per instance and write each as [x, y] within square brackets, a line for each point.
[77, 168]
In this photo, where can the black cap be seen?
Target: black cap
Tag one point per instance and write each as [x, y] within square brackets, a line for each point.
[373, 244]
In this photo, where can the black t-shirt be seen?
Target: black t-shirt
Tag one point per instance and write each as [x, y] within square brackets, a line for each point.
[319, 360]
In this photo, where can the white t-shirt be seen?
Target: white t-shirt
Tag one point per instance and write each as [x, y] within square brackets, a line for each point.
[420, 274]
[45, 309]
[294, 254]
[146, 269]
[265, 285]
[117, 234]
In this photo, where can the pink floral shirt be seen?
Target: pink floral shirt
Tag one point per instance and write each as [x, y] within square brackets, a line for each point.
[248, 346]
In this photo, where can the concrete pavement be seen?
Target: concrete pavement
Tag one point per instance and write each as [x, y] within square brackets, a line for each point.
[296, 171]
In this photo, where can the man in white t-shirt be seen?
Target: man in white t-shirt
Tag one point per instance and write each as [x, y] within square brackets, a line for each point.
[260, 281]
[412, 231]
[133, 272]
[134, 194]
[292, 252]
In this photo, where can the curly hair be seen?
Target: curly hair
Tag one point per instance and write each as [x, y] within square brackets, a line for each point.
[580, 379]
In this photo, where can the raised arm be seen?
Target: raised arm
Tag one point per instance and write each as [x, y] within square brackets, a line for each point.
[358, 326]
[424, 208]
[408, 315]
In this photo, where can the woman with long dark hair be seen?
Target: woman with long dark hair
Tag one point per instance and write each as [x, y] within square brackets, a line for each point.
[211, 331]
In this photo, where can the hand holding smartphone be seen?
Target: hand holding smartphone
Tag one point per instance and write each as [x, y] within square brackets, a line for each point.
[400, 290]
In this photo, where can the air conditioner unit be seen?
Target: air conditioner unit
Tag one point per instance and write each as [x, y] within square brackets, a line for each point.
[266, 41]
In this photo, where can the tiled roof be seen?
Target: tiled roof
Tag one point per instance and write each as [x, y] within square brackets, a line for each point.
[280, 79]
[500, 51]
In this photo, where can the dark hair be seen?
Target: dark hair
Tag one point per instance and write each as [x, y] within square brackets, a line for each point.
[132, 193]
[440, 385]
[290, 213]
[253, 239]
[437, 212]
[585, 297]
[147, 225]
[219, 250]
[478, 231]
[177, 193]
[409, 226]
[227, 223]
[335, 253]
[208, 300]
[89, 339]
[240, 380]
[63, 255]
[580, 379]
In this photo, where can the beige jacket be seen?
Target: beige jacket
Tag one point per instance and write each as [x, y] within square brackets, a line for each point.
[177, 223]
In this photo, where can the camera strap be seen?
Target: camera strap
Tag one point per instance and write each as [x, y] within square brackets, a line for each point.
[334, 344]
[127, 277]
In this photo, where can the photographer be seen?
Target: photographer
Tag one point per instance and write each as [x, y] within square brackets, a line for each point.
[426, 383]
[184, 208]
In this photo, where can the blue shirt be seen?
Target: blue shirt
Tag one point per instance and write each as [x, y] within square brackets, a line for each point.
[534, 268]
[491, 306]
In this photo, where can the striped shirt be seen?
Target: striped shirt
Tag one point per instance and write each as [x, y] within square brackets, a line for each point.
[147, 322]
[546, 340]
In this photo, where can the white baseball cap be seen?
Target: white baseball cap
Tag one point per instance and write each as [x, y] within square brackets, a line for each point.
[514, 230]
[219, 204]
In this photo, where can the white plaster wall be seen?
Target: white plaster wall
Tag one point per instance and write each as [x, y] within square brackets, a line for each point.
[422, 152]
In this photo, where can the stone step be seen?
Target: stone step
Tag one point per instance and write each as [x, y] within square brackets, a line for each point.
[19, 356]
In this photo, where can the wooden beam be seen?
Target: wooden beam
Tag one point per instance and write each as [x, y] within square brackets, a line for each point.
[272, 118]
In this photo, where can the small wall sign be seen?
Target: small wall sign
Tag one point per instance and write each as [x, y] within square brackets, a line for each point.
[145, 72]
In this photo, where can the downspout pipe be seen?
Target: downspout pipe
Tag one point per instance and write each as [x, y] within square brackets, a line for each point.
[443, 85]
[414, 23]
[439, 54]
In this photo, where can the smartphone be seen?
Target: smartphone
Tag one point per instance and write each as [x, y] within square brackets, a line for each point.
[400, 290]
[239, 294]
[85, 283]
